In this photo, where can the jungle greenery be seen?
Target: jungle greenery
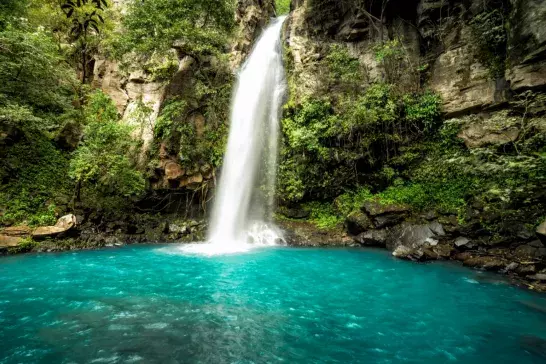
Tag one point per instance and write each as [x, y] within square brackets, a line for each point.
[388, 143]
[62, 145]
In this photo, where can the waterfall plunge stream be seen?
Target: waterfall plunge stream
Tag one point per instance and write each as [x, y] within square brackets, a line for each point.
[244, 202]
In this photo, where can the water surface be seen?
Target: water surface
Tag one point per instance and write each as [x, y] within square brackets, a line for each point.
[150, 304]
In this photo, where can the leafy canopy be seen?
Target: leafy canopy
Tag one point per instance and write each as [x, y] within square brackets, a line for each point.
[196, 26]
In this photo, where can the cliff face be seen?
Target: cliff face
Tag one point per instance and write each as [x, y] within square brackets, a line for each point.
[439, 38]
[141, 97]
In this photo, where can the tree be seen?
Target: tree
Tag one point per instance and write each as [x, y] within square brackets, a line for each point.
[102, 165]
[86, 18]
[197, 26]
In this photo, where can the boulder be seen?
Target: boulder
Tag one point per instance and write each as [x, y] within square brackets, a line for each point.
[443, 251]
[413, 236]
[9, 241]
[532, 250]
[63, 225]
[66, 222]
[357, 223]
[173, 171]
[372, 238]
[461, 241]
[538, 277]
[375, 208]
[486, 262]
[387, 220]
[402, 251]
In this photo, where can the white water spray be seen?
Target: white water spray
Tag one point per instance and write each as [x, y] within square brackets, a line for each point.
[244, 202]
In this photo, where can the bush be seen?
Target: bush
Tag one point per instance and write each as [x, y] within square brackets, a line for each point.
[348, 139]
[101, 165]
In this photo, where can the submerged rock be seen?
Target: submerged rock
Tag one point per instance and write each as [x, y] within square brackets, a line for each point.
[534, 345]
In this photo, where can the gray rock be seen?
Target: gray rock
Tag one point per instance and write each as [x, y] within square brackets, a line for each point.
[461, 241]
[387, 220]
[373, 238]
[402, 252]
[357, 223]
[412, 236]
[538, 277]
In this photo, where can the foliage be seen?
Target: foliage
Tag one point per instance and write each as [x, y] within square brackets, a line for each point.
[198, 136]
[490, 35]
[25, 246]
[33, 78]
[197, 26]
[323, 215]
[342, 65]
[282, 6]
[344, 138]
[33, 174]
[101, 164]
[86, 18]
[423, 109]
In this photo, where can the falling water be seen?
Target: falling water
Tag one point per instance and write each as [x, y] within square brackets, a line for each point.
[244, 201]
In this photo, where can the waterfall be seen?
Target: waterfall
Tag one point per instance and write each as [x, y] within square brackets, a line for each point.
[244, 200]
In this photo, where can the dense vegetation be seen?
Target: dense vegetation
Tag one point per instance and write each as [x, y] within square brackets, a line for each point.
[346, 143]
[63, 147]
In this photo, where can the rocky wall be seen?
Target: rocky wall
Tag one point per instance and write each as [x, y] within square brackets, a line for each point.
[438, 38]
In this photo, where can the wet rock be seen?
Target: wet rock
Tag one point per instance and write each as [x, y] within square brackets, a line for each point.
[443, 251]
[533, 250]
[402, 252]
[357, 223]
[538, 277]
[413, 236]
[462, 256]
[373, 238]
[485, 262]
[511, 267]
